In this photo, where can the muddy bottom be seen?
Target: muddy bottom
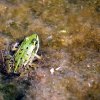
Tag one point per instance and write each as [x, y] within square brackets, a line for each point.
[69, 33]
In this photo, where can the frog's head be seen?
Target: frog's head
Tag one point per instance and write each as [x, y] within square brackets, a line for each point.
[34, 39]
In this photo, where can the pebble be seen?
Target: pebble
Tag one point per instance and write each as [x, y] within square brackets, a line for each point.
[52, 71]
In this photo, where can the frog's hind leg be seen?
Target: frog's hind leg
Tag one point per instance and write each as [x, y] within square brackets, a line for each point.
[27, 70]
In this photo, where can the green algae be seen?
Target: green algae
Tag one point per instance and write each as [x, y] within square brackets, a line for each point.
[9, 91]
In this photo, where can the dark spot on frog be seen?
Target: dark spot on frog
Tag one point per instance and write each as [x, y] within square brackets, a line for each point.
[19, 53]
[27, 54]
[21, 58]
[21, 49]
[15, 61]
[27, 48]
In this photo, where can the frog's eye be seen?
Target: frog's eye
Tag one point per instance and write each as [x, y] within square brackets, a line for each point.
[34, 40]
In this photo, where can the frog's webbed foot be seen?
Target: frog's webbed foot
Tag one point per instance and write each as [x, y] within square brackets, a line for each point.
[27, 70]
[23, 74]
[32, 66]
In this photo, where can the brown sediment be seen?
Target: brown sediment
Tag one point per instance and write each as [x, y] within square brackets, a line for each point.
[69, 44]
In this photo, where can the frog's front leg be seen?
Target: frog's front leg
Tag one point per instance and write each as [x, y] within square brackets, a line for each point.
[38, 57]
[33, 58]
[14, 46]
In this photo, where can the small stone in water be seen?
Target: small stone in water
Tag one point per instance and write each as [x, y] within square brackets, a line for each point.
[62, 31]
[52, 71]
[88, 65]
[58, 68]
[49, 37]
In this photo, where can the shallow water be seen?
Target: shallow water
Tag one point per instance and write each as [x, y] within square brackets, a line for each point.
[69, 32]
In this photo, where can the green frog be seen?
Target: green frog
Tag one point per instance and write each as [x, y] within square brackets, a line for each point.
[23, 57]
